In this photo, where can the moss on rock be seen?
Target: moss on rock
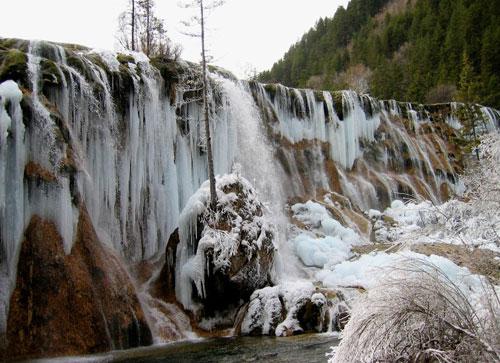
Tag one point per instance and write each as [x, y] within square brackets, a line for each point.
[338, 104]
[98, 61]
[51, 75]
[271, 90]
[319, 96]
[77, 64]
[14, 66]
[125, 58]
[6, 44]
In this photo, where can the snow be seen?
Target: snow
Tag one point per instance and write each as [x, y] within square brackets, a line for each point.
[320, 220]
[319, 252]
[374, 214]
[474, 224]
[143, 186]
[472, 220]
[248, 218]
[325, 241]
[109, 58]
[9, 91]
[265, 306]
[368, 270]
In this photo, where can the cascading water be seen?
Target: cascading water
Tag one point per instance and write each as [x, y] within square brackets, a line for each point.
[259, 165]
[125, 140]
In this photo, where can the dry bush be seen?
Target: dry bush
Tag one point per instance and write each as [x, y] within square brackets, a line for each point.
[419, 314]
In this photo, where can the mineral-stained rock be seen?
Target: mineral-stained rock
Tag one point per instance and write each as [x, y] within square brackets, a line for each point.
[79, 303]
[341, 316]
[164, 286]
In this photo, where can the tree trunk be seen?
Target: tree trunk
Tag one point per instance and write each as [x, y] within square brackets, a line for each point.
[133, 26]
[211, 177]
[148, 28]
[476, 141]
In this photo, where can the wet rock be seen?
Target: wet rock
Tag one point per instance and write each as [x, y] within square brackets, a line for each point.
[341, 316]
[164, 286]
[72, 304]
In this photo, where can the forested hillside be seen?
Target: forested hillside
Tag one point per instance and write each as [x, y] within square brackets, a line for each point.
[418, 50]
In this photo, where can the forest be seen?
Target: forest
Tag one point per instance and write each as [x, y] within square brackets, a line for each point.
[428, 51]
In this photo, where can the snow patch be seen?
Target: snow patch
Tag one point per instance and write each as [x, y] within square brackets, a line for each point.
[109, 58]
[368, 270]
[326, 242]
[267, 304]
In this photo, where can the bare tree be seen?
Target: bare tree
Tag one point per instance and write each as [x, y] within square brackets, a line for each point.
[356, 77]
[201, 22]
[146, 13]
[127, 27]
[139, 29]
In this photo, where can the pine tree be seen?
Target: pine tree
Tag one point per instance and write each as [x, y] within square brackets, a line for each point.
[422, 41]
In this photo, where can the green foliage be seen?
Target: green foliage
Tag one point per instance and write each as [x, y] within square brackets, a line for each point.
[468, 84]
[415, 49]
[125, 58]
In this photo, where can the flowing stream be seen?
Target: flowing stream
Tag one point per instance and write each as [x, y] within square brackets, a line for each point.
[310, 348]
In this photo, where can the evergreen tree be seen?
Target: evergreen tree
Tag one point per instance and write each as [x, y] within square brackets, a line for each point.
[414, 49]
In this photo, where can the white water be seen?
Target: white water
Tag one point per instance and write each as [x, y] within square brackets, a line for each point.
[137, 170]
[260, 166]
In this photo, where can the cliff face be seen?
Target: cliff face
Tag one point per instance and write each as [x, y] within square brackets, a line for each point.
[368, 150]
[100, 152]
[71, 304]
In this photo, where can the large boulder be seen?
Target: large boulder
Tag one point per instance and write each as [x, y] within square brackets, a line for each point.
[223, 256]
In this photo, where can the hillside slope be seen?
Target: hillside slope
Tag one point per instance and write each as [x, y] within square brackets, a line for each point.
[418, 50]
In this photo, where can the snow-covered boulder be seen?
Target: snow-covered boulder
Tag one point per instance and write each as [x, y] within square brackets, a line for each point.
[292, 307]
[223, 256]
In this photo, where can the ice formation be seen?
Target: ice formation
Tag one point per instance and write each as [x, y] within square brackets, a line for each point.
[128, 142]
[327, 242]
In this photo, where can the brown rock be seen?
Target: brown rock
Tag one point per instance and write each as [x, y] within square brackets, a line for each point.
[164, 286]
[37, 173]
[312, 316]
[79, 303]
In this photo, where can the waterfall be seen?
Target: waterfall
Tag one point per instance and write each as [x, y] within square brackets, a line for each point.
[123, 136]
[260, 166]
